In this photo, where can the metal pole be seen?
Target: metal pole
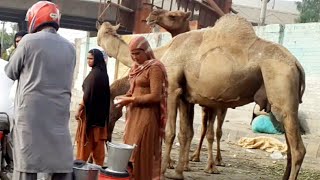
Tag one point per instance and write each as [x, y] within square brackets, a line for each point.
[2, 37]
[263, 12]
[86, 55]
[171, 5]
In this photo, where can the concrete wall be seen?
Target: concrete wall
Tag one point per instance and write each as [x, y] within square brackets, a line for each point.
[303, 40]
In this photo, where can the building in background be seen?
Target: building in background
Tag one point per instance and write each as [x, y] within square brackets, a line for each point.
[272, 16]
[278, 11]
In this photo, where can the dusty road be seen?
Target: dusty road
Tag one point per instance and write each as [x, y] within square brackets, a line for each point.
[241, 164]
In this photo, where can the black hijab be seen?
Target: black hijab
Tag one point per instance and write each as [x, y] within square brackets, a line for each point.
[96, 92]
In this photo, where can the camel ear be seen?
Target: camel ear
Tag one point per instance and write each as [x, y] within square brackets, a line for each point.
[98, 24]
[187, 15]
[116, 27]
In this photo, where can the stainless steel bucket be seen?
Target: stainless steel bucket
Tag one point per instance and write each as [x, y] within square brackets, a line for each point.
[85, 174]
[118, 156]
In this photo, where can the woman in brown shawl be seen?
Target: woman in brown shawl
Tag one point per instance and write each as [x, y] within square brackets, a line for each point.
[93, 112]
[146, 110]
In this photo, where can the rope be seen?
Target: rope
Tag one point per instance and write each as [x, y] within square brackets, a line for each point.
[105, 7]
[79, 131]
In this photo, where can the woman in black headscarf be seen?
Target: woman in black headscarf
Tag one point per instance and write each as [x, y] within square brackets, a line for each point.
[93, 112]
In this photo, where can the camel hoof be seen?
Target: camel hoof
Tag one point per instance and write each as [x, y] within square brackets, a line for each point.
[174, 175]
[171, 164]
[220, 163]
[212, 170]
[186, 168]
[195, 158]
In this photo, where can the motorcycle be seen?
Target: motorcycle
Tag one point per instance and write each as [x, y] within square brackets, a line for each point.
[6, 159]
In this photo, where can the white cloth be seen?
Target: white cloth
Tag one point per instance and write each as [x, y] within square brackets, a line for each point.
[13, 91]
[6, 104]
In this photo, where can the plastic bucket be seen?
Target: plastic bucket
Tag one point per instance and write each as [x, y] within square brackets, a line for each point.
[118, 156]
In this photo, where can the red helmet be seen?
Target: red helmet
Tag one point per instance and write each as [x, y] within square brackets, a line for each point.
[43, 13]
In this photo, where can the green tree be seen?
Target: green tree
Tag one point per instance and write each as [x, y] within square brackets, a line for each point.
[309, 11]
[7, 42]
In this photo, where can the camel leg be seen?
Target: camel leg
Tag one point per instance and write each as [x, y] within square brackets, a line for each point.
[289, 159]
[196, 155]
[190, 134]
[296, 150]
[170, 128]
[115, 115]
[211, 166]
[221, 115]
[183, 138]
[283, 95]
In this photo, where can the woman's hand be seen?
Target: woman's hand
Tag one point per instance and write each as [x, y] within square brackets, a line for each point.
[121, 101]
[77, 116]
[78, 113]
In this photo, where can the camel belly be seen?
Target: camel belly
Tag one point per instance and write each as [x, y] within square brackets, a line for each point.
[221, 80]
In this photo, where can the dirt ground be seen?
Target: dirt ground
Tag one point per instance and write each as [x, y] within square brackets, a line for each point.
[241, 164]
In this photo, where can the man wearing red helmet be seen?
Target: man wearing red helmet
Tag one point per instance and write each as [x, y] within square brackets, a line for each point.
[43, 64]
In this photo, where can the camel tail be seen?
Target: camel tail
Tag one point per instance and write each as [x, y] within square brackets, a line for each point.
[302, 80]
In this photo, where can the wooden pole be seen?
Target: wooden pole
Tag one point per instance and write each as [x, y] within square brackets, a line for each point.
[215, 7]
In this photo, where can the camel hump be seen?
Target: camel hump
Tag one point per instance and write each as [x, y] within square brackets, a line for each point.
[235, 30]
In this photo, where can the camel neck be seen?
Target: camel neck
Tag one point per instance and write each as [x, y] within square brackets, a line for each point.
[118, 49]
[184, 29]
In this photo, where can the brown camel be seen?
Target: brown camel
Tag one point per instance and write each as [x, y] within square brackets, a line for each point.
[224, 67]
[177, 22]
[121, 86]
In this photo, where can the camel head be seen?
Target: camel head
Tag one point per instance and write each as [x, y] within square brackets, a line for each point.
[112, 43]
[172, 21]
[106, 34]
[106, 29]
